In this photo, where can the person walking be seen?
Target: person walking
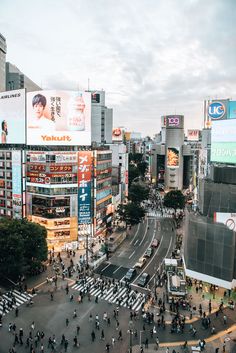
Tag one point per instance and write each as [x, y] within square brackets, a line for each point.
[102, 335]
[225, 319]
[93, 336]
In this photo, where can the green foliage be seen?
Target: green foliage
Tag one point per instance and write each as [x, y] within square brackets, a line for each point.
[133, 173]
[174, 199]
[138, 193]
[23, 247]
[131, 213]
[135, 157]
[142, 167]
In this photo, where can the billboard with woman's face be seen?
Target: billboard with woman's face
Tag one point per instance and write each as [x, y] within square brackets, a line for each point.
[12, 117]
[59, 118]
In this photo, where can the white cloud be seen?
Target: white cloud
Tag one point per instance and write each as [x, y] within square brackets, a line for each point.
[152, 57]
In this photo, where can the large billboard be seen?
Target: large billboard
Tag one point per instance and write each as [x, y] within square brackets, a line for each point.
[84, 187]
[229, 219]
[12, 117]
[117, 134]
[59, 118]
[223, 141]
[232, 110]
[172, 157]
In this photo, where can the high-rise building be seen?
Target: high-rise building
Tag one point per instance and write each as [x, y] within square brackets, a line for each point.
[15, 79]
[101, 119]
[3, 51]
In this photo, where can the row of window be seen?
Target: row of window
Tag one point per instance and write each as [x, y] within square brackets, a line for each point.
[5, 155]
[7, 165]
[4, 212]
[4, 174]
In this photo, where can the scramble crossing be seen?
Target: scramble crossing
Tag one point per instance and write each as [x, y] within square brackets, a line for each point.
[115, 293]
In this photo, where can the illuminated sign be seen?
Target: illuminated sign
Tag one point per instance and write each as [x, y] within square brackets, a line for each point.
[216, 110]
[193, 135]
[12, 117]
[172, 157]
[174, 121]
[16, 184]
[223, 141]
[59, 118]
[84, 187]
[117, 134]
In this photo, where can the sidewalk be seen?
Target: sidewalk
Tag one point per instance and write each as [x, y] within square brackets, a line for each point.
[223, 339]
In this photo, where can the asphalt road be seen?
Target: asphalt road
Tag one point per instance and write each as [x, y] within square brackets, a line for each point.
[135, 245]
[49, 317]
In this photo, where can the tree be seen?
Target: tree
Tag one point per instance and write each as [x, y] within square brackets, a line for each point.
[174, 199]
[35, 245]
[131, 213]
[138, 193]
[11, 251]
[135, 157]
[142, 167]
[23, 247]
[133, 173]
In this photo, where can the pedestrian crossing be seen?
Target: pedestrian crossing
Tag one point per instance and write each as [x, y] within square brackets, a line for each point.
[114, 294]
[13, 299]
[159, 214]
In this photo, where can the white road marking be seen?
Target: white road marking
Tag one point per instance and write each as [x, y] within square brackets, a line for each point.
[136, 242]
[132, 254]
[135, 234]
[117, 269]
[105, 267]
[150, 260]
[144, 233]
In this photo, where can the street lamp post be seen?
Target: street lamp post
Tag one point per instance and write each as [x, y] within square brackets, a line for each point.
[130, 335]
[140, 338]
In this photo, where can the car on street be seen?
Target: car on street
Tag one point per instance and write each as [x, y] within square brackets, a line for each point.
[143, 280]
[130, 274]
[155, 243]
[140, 262]
[148, 252]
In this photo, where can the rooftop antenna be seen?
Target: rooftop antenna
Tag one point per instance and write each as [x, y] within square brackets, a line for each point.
[88, 84]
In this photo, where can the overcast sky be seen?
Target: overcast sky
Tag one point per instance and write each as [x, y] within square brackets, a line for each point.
[152, 57]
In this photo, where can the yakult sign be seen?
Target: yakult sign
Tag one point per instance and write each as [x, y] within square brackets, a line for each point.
[174, 121]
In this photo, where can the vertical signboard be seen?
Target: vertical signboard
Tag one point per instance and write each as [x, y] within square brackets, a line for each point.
[16, 185]
[172, 157]
[84, 187]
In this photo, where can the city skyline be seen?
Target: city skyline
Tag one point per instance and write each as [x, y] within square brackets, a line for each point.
[152, 58]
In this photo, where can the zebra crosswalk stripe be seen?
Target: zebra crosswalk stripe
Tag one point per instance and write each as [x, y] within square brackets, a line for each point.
[131, 300]
[20, 298]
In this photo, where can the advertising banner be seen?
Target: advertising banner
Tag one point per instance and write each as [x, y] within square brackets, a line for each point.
[59, 118]
[218, 110]
[193, 135]
[117, 134]
[36, 157]
[223, 141]
[12, 117]
[16, 185]
[229, 219]
[172, 157]
[174, 121]
[84, 187]
[232, 110]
